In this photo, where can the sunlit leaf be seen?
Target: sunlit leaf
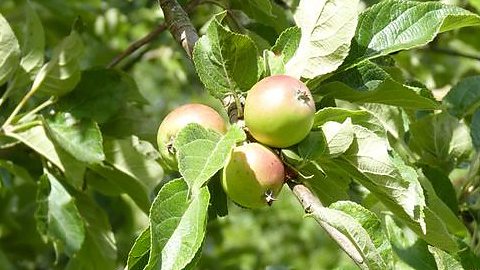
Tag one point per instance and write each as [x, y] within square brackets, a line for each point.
[327, 28]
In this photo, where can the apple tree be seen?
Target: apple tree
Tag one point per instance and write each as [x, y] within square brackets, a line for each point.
[239, 134]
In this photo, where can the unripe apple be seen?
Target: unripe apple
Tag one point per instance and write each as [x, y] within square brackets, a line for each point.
[178, 119]
[279, 111]
[253, 176]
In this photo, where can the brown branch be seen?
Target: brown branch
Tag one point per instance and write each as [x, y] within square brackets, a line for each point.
[310, 203]
[138, 44]
[179, 24]
[148, 38]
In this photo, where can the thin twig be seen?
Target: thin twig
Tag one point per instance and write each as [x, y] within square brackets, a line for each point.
[148, 37]
[138, 44]
[310, 203]
[454, 53]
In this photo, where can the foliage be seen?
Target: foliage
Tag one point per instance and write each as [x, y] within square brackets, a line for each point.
[392, 159]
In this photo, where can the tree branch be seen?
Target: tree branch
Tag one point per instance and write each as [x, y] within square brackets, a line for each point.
[138, 44]
[148, 38]
[179, 24]
[310, 203]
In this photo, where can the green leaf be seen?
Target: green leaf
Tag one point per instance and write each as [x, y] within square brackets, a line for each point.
[467, 256]
[328, 184]
[387, 92]
[287, 43]
[58, 218]
[34, 41]
[16, 170]
[443, 187]
[273, 64]
[395, 184]
[32, 52]
[313, 146]
[363, 77]
[9, 51]
[393, 25]
[327, 29]
[358, 117]
[283, 50]
[130, 165]
[218, 199]
[139, 254]
[370, 82]
[368, 161]
[393, 119]
[448, 217]
[225, 61]
[177, 225]
[476, 4]
[371, 223]
[333, 139]
[316, 172]
[463, 99]
[200, 158]
[408, 248]
[100, 95]
[99, 250]
[475, 129]
[131, 186]
[135, 158]
[255, 9]
[165, 215]
[440, 140]
[79, 137]
[339, 137]
[37, 139]
[438, 218]
[361, 228]
[444, 260]
[62, 73]
[263, 11]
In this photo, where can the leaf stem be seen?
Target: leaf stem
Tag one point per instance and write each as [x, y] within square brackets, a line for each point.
[24, 126]
[40, 107]
[20, 105]
[310, 202]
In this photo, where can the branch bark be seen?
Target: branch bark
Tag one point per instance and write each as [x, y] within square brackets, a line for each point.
[179, 24]
[311, 203]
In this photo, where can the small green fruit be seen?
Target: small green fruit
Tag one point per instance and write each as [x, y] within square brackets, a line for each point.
[279, 111]
[178, 119]
[253, 176]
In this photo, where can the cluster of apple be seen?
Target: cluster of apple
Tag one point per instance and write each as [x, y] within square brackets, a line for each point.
[279, 112]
